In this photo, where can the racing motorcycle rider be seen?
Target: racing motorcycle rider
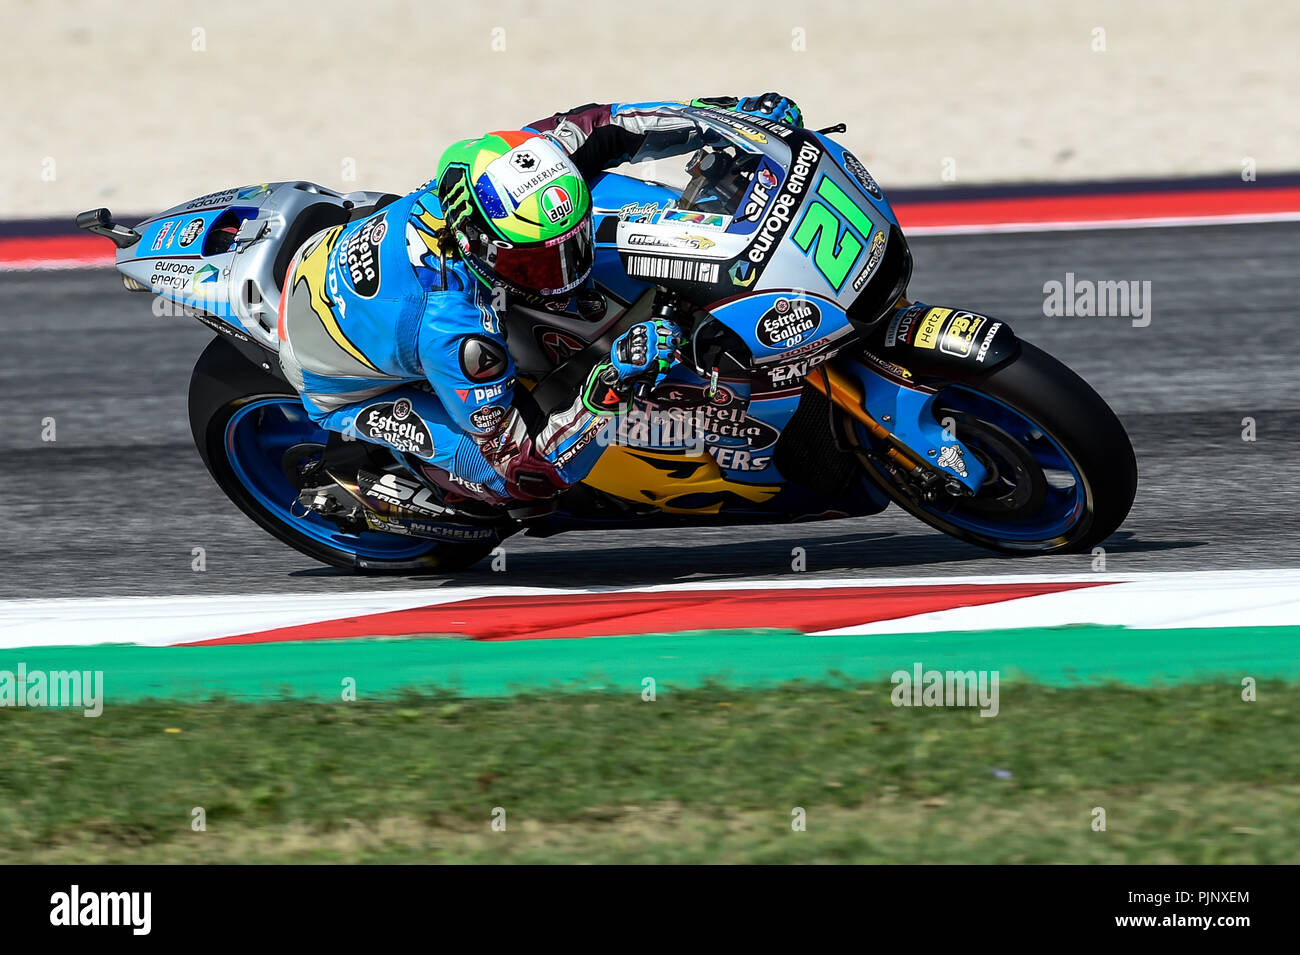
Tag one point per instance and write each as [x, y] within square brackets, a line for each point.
[390, 325]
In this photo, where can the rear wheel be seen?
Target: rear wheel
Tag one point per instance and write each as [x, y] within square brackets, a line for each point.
[256, 439]
[1062, 474]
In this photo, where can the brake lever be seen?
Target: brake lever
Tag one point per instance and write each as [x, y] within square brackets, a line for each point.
[837, 128]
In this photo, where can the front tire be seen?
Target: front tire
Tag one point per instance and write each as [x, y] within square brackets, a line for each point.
[250, 427]
[1039, 427]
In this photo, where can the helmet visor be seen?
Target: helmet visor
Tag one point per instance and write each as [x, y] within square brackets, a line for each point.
[558, 265]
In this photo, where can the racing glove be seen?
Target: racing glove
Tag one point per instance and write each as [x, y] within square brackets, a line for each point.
[643, 349]
[772, 106]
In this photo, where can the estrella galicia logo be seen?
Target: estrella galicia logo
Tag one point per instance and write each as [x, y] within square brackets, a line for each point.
[734, 428]
[359, 255]
[488, 418]
[692, 396]
[789, 322]
[854, 165]
[395, 423]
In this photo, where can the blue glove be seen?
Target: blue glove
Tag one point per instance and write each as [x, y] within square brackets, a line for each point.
[645, 348]
[772, 106]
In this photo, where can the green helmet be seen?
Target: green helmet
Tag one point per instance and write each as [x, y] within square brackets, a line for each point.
[520, 212]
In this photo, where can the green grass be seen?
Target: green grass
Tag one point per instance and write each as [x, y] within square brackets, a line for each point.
[1187, 774]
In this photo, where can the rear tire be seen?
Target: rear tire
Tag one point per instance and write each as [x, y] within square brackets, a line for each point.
[1067, 411]
[223, 384]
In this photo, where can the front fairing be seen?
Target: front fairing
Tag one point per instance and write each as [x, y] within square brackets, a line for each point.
[777, 208]
[792, 247]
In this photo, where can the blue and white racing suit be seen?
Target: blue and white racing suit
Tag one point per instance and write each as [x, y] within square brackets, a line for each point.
[391, 341]
[389, 338]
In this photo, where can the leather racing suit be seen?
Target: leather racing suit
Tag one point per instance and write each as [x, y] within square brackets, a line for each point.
[389, 338]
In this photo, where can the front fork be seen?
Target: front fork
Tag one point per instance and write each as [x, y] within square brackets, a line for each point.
[919, 343]
[902, 418]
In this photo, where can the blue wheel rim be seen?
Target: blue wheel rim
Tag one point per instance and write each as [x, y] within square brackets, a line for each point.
[1065, 501]
[257, 436]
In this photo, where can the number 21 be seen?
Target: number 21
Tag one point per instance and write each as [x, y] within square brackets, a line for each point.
[833, 257]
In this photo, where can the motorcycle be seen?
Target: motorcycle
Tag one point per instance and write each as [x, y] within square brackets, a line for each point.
[808, 386]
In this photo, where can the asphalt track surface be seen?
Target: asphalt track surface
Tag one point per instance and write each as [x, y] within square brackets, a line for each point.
[115, 504]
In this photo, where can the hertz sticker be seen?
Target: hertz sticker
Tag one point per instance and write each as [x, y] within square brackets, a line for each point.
[927, 331]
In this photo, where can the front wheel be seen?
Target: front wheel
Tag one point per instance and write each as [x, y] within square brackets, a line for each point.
[1061, 471]
[255, 437]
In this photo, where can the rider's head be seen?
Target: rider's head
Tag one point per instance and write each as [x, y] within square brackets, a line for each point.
[519, 211]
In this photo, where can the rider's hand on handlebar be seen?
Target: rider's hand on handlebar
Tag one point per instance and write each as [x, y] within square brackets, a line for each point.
[645, 351]
[773, 106]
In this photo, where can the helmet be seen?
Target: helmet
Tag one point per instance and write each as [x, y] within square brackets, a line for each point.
[520, 212]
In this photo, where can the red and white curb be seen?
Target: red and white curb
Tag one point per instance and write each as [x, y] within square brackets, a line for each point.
[1241, 204]
[1157, 601]
[815, 606]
